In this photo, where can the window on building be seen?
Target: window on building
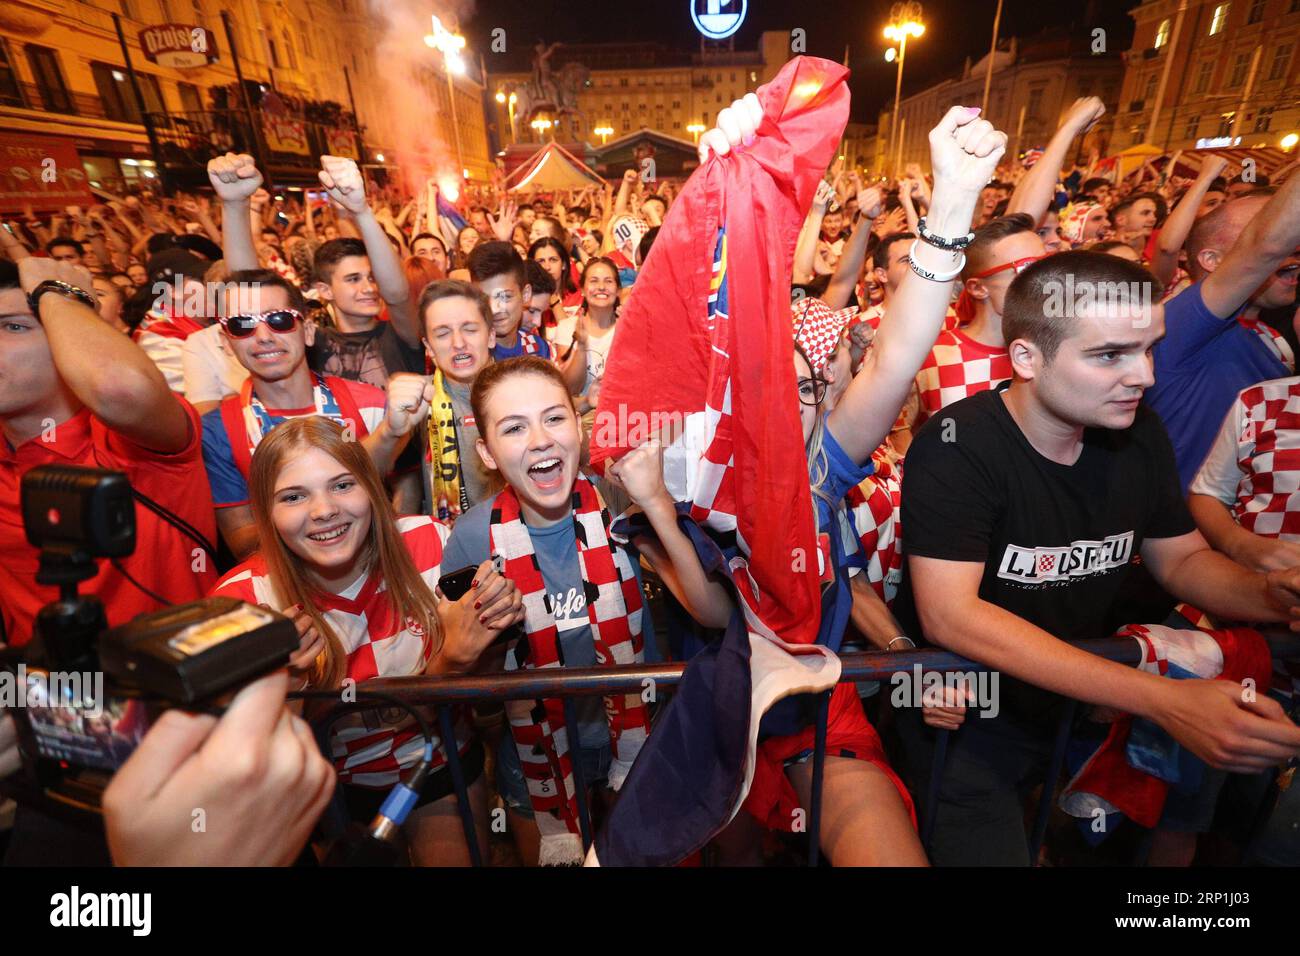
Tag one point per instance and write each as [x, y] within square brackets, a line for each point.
[128, 10]
[275, 54]
[49, 79]
[1219, 19]
[1239, 67]
[1035, 103]
[622, 81]
[1192, 129]
[1264, 119]
[1281, 60]
[1162, 33]
[1225, 124]
[115, 92]
[305, 36]
[1256, 11]
[1150, 92]
[11, 94]
[290, 53]
[191, 101]
[677, 104]
[1203, 75]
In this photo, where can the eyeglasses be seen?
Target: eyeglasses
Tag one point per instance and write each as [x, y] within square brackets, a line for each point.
[1019, 265]
[242, 326]
[812, 390]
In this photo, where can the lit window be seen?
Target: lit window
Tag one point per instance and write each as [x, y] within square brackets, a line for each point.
[1219, 19]
[1162, 34]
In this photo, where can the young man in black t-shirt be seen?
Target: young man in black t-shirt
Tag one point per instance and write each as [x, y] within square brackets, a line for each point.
[1024, 507]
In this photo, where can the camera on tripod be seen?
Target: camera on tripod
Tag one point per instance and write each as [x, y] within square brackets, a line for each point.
[87, 692]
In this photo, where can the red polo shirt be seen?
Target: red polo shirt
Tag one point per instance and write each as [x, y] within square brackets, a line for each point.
[165, 561]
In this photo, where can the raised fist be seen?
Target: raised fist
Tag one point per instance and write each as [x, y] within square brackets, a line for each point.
[737, 126]
[964, 150]
[342, 180]
[234, 176]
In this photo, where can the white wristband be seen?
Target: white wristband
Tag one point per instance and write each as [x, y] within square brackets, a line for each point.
[934, 276]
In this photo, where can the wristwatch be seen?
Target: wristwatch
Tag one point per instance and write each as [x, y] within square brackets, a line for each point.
[63, 289]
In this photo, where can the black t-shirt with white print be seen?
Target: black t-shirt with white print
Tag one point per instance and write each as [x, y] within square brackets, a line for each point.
[1057, 541]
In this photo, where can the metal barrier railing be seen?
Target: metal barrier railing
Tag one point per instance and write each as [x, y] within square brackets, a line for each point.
[567, 683]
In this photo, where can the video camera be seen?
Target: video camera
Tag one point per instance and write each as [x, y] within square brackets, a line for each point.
[87, 693]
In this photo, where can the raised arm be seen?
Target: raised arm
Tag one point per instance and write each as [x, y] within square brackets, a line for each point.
[343, 180]
[964, 151]
[1267, 239]
[805, 250]
[1033, 194]
[855, 251]
[1208, 717]
[109, 373]
[1180, 222]
[235, 178]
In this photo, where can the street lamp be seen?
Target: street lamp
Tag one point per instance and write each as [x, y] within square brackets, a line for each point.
[449, 45]
[541, 125]
[695, 129]
[904, 22]
[604, 132]
[1289, 141]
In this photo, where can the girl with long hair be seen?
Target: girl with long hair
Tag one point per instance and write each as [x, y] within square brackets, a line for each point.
[581, 593]
[359, 584]
[589, 335]
[867, 814]
[551, 255]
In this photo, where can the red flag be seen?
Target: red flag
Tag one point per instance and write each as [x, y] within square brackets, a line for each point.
[705, 340]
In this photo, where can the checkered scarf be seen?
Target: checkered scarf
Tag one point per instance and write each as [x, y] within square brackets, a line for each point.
[614, 609]
[532, 343]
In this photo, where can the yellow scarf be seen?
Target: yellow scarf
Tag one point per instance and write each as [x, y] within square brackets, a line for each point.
[449, 497]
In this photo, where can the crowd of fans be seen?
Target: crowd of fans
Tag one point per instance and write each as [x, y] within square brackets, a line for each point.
[355, 393]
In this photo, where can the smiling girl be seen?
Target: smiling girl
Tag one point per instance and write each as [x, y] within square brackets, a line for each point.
[359, 585]
[581, 592]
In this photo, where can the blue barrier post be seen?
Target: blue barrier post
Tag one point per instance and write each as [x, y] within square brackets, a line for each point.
[447, 730]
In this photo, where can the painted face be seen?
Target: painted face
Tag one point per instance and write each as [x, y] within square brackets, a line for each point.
[533, 437]
[268, 355]
[321, 512]
[352, 288]
[1099, 372]
[456, 338]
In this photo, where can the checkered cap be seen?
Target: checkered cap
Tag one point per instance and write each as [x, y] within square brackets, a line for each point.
[817, 329]
[1074, 216]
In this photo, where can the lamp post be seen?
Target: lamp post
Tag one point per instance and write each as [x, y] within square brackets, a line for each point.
[904, 21]
[604, 132]
[449, 45]
[541, 126]
[695, 129]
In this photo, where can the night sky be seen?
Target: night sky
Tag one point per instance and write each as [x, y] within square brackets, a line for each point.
[955, 29]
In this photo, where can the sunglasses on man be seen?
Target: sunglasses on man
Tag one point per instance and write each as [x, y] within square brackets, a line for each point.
[277, 320]
[1019, 265]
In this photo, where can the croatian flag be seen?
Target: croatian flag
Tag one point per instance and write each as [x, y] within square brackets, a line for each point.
[450, 222]
[705, 348]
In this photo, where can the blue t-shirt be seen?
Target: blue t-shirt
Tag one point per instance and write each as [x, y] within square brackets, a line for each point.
[228, 485]
[501, 352]
[1201, 365]
[556, 548]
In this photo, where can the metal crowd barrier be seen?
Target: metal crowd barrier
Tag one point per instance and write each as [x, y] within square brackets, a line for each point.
[568, 683]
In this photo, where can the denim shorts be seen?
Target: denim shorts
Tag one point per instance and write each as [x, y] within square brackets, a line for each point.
[512, 786]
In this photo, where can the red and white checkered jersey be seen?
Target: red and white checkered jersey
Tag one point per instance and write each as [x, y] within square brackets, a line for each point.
[372, 747]
[872, 315]
[1273, 340]
[1254, 465]
[959, 367]
[875, 509]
